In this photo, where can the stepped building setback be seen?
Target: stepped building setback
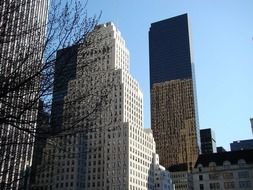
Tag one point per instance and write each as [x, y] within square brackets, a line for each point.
[109, 149]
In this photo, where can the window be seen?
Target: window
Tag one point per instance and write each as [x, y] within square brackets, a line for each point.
[201, 186]
[226, 164]
[244, 184]
[200, 177]
[229, 185]
[214, 186]
[214, 176]
[200, 168]
[212, 166]
[243, 174]
[228, 175]
[241, 163]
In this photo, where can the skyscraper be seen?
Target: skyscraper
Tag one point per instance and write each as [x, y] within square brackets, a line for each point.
[22, 28]
[173, 96]
[208, 142]
[103, 144]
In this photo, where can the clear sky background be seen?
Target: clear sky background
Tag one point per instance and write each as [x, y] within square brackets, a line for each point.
[222, 36]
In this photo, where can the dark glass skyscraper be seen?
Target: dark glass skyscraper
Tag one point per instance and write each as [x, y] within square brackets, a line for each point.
[208, 142]
[169, 50]
[173, 102]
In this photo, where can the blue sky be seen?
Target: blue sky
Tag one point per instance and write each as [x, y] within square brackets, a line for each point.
[222, 36]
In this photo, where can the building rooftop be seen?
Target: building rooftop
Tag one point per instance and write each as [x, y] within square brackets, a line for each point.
[220, 157]
[241, 145]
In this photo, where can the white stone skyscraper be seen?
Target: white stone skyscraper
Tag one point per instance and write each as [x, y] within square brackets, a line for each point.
[22, 29]
[109, 149]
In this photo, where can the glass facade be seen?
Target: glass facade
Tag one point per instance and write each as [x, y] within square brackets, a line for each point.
[169, 50]
[174, 114]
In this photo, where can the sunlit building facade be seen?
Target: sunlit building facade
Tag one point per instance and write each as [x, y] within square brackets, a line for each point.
[224, 170]
[109, 149]
[162, 178]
